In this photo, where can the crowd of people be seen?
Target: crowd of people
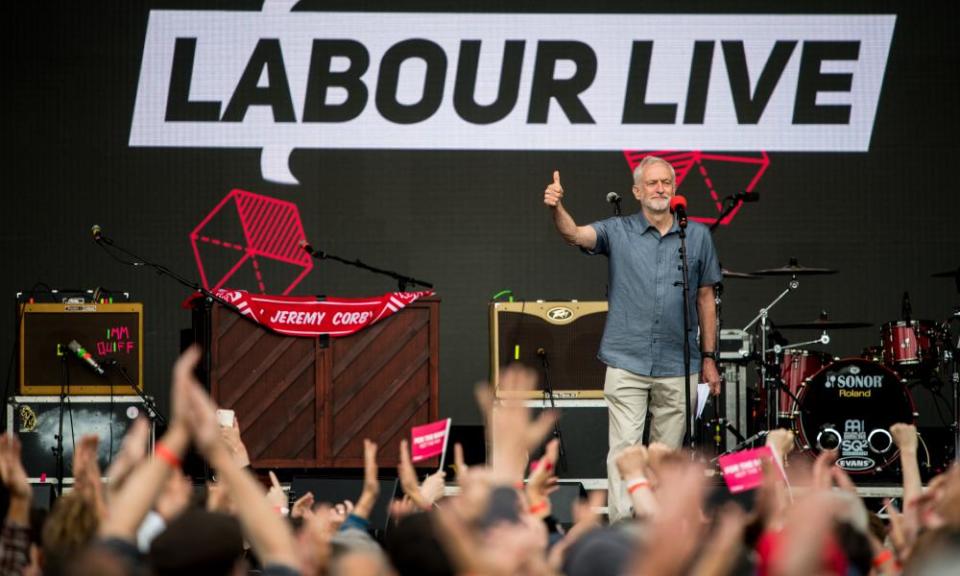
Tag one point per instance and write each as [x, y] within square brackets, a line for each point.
[148, 518]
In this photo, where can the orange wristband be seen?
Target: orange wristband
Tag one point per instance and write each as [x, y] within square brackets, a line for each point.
[637, 484]
[882, 558]
[539, 507]
[164, 453]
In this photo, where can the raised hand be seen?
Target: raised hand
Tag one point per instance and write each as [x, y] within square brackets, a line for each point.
[231, 437]
[433, 486]
[543, 481]
[554, 192]
[904, 436]
[371, 480]
[131, 454]
[275, 495]
[11, 468]
[303, 506]
[408, 478]
[632, 462]
[14, 478]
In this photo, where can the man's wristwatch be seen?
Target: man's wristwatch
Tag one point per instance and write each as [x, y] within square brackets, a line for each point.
[710, 355]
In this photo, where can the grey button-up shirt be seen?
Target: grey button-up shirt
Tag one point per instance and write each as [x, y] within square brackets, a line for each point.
[644, 328]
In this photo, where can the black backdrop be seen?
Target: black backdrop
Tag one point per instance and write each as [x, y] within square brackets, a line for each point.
[472, 222]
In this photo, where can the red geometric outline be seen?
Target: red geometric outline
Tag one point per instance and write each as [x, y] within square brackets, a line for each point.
[272, 229]
[684, 161]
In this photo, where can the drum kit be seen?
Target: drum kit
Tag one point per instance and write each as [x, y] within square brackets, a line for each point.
[845, 404]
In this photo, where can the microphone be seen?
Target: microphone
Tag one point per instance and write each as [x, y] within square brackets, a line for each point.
[543, 357]
[905, 309]
[311, 250]
[97, 232]
[82, 354]
[678, 206]
[614, 198]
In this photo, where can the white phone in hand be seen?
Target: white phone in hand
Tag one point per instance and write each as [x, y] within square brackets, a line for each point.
[225, 417]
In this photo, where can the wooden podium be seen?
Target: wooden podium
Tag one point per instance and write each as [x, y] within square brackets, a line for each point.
[310, 402]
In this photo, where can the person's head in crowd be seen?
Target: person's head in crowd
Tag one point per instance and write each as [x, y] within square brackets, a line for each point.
[99, 561]
[200, 541]
[71, 525]
[414, 549]
[355, 553]
[936, 553]
[602, 552]
[855, 546]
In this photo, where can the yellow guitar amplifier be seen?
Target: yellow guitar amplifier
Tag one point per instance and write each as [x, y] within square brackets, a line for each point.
[558, 339]
[54, 337]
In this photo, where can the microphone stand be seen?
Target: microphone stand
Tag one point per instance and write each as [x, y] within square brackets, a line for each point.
[148, 401]
[206, 337]
[402, 280]
[685, 284]
[548, 393]
[731, 203]
[64, 389]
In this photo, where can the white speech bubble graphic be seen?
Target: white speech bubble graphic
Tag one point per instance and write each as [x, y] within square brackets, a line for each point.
[224, 41]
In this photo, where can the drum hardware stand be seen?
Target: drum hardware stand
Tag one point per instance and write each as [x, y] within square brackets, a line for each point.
[773, 404]
[720, 422]
[778, 349]
[953, 351]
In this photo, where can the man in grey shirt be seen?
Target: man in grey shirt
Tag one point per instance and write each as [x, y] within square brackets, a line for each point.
[642, 343]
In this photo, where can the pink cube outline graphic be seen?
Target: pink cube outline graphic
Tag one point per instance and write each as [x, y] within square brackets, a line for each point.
[684, 161]
[272, 229]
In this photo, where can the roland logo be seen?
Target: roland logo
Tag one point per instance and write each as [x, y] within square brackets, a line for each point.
[856, 463]
[559, 313]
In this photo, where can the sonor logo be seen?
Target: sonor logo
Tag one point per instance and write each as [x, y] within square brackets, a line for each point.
[278, 81]
[854, 381]
[559, 314]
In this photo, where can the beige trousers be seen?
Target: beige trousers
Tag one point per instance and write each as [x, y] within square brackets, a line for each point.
[628, 397]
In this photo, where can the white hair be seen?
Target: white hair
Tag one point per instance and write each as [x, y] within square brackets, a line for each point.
[647, 161]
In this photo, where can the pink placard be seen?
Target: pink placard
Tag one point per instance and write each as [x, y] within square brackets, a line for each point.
[743, 470]
[429, 440]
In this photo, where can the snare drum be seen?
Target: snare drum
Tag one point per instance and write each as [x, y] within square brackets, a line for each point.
[850, 406]
[910, 344]
[795, 367]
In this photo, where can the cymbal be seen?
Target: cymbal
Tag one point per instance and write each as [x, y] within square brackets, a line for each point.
[947, 273]
[821, 324]
[793, 268]
[744, 275]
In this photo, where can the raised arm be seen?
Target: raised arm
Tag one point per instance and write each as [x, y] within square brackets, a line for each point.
[268, 532]
[582, 236]
[131, 502]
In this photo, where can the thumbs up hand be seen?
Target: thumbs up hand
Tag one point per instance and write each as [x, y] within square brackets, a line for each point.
[554, 191]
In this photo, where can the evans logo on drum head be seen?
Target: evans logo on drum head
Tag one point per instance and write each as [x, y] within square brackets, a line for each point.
[856, 463]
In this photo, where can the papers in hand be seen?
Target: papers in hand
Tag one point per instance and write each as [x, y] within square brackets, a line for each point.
[703, 392]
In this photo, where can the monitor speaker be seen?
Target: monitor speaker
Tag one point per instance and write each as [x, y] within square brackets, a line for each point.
[558, 339]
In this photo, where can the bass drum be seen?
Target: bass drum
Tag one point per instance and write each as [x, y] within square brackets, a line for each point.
[850, 406]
